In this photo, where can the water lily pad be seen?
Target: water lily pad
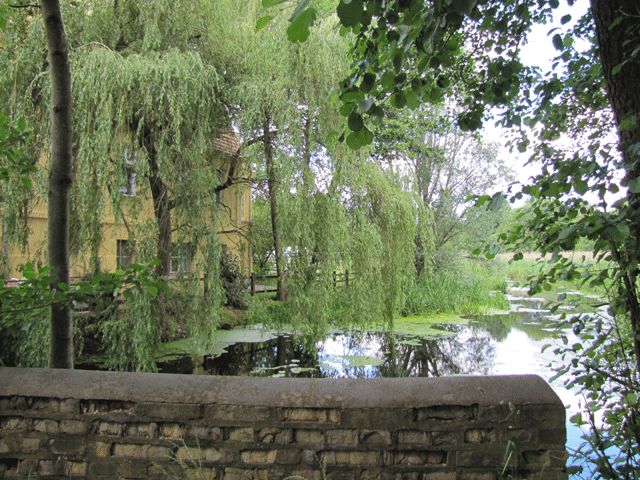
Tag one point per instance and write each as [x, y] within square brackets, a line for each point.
[425, 327]
[244, 335]
[221, 340]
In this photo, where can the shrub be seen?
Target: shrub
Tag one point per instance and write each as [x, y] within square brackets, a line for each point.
[233, 281]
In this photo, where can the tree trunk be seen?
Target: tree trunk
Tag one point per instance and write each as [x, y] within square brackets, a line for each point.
[272, 185]
[307, 178]
[5, 250]
[616, 46]
[161, 209]
[60, 178]
[311, 260]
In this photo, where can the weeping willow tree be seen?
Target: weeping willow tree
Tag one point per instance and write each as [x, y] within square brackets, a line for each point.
[279, 96]
[164, 108]
[145, 100]
[330, 208]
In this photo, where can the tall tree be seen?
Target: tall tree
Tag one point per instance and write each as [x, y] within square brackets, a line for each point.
[276, 86]
[272, 186]
[60, 179]
[444, 167]
[617, 24]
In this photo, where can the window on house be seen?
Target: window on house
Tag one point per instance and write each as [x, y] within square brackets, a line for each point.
[129, 181]
[180, 259]
[124, 254]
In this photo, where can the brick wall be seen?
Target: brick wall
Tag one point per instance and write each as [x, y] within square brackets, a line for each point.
[56, 423]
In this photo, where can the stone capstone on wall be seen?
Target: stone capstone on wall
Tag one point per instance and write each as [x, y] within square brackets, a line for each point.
[85, 424]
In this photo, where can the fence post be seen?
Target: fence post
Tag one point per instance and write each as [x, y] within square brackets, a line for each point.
[335, 279]
[346, 277]
[253, 283]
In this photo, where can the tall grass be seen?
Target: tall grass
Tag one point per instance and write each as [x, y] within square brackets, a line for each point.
[466, 286]
[523, 271]
[470, 287]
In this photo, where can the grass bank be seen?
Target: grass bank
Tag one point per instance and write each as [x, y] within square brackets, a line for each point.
[522, 272]
[472, 286]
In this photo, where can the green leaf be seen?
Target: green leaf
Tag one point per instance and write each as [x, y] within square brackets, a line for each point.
[367, 136]
[332, 137]
[557, 42]
[580, 186]
[350, 13]
[566, 232]
[619, 232]
[364, 137]
[353, 141]
[576, 419]
[353, 95]
[377, 112]
[152, 290]
[388, 80]
[413, 101]
[436, 94]
[565, 19]
[298, 30]
[399, 100]
[346, 109]
[355, 122]
[368, 81]
[470, 121]
[262, 22]
[616, 69]
[523, 145]
[300, 7]
[629, 122]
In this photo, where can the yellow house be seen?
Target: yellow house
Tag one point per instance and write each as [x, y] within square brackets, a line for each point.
[231, 220]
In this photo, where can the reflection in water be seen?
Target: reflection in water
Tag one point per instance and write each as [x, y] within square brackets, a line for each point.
[470, 349]
[484, 346]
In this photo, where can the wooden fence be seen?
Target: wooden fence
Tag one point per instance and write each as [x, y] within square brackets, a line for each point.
[340, 279]
[258, 288]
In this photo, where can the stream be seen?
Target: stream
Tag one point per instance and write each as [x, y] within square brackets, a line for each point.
[503, 343]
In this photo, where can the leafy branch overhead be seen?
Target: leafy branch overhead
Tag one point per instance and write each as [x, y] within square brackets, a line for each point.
[409, 52]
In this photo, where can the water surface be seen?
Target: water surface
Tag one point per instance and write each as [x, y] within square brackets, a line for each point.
[506, 343]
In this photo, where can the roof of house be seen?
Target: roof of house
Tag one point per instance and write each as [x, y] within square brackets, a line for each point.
[227, 143]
